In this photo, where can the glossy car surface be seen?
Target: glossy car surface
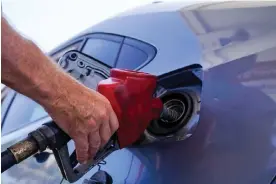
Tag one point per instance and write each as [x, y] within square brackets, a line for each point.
[235, 141]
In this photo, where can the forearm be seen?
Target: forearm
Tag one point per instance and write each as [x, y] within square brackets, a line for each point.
[27, 70]
[85, 115]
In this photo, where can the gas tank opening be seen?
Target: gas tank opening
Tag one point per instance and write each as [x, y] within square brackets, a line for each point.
[178, 110]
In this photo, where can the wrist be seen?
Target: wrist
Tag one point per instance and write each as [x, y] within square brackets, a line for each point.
[61, 91]
[52, 89]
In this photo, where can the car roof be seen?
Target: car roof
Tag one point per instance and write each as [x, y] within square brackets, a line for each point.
[159, 7]
[172, 29]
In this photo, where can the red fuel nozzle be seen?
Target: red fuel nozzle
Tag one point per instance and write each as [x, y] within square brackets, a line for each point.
[131, 96]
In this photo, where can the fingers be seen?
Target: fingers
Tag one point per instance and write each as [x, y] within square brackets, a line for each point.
[87, 144]
[114, 124]
[107, 129]
[81, 144]
[94, 143]
[105, 133]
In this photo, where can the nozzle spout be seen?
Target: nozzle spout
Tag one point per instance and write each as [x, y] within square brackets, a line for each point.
[170, 115]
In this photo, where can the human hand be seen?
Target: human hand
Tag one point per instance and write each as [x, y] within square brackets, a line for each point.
[87, 117]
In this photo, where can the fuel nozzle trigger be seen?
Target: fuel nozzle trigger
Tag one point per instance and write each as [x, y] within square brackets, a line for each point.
[69, 166]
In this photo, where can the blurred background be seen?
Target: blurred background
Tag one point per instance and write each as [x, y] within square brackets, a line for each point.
[48, 23]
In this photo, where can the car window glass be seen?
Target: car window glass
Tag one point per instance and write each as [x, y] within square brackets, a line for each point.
[134, 53]
[105, 51]
[131, 57]
[22, 112]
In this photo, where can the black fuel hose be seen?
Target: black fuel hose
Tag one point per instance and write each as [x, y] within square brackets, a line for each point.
[18, 152]
[48, 135]
[7, 160]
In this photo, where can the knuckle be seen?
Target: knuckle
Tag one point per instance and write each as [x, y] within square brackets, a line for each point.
[81, 145]
[91, 124]
[78, 137]
[96, 144]
[82, 151]
[82, 159]
[75, 134]
[82, 155]
[103, 114]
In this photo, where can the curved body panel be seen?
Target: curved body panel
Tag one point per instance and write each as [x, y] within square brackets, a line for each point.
[235, 141]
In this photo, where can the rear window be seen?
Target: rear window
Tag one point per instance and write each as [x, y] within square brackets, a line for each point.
[105, 51]
[134, 53]
[131, 57]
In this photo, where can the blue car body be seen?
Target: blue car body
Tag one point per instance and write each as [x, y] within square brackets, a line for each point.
[235, 140]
